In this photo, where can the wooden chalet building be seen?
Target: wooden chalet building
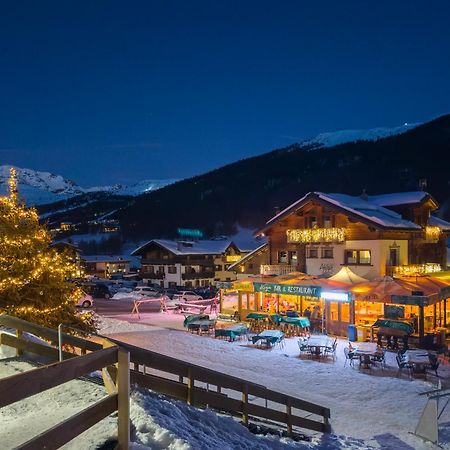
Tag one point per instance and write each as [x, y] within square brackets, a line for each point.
[373, 235]
[334, 254]
[187, 263]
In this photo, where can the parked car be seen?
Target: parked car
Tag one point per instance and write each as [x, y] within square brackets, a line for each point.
[206, 292]
[187, 296]
[86, 301]
[97, 290]
[147, 291]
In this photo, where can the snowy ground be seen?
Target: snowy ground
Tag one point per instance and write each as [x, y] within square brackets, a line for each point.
[369, 408]
[373, 406]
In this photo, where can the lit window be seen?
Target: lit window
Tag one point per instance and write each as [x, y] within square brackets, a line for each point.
[364, 257]
[293, 258]
[356, 257]
[282, 257]
[327, 222]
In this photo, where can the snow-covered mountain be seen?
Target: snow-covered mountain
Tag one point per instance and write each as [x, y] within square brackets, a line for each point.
[330, 139]
[39, 188]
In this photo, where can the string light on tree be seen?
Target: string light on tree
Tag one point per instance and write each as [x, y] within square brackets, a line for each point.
[34, 276]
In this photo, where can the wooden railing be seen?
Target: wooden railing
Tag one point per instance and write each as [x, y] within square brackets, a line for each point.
[199, 386]
[20, 386]
[196, 385]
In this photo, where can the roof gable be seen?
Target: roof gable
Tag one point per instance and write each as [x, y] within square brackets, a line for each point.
[369, 212]
[180, 248]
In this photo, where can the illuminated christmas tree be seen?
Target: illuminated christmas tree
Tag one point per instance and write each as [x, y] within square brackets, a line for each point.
[34, 276]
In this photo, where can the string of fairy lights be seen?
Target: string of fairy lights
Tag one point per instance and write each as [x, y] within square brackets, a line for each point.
[26, 259]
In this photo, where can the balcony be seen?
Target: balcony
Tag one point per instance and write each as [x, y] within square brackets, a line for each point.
[154, 275]
[198, 275]
[277, 269]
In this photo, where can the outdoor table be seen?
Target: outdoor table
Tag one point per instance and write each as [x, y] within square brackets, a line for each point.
[365, 351]
[232, 333]
[270, 336]
[302, 322]
[418, 359]
[255, 315]
[316, 343]
[200, 325]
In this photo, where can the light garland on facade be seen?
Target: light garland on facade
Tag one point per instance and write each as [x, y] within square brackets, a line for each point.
[432, 233]
[417, 269]
[306, 235]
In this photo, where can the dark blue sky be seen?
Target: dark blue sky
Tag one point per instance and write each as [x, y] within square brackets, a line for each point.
[105, 91]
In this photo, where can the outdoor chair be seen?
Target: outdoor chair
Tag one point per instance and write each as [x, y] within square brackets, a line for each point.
[402, 364]
[303, 346]
[332, 349]
[434, 364]
[349, 356]
[381, 358]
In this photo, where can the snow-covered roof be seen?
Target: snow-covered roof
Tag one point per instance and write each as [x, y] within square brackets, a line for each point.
[105, 258]
[437, 222]
[398, 198]
[179, 248]
[248, 256]
[368, 210]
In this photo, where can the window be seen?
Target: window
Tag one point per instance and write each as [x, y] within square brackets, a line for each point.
[218, 267]
[282, 257]
[293, 258]
[357, 257]
[161, 269]
[327, 222]
[172, 284]
[312, 252]
[150, 269]
[327, 252]
[172, 269]
[312, 222]
[364, 257]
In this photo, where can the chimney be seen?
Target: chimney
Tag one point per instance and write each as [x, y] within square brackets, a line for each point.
[422, 184]
[277, 210]
[364, 196]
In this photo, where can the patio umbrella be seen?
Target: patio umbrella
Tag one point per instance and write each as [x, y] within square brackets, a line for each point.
[347, 276]
[381, 290]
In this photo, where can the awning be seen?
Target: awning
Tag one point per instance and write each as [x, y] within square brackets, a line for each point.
[347, 276]
[390, 290]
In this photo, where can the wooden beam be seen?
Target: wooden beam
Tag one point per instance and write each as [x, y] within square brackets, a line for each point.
[65, 431]
[47, 333]
[32, 347]
[23, 385]
[123, 391]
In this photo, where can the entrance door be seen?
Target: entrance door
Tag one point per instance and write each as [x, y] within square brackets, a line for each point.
[393, 256]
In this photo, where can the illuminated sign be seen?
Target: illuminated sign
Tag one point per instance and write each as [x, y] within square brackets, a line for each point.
[296, 236]
[287, 289]
[224, 285]
[190, 233]
[336, 296]
[232, 258]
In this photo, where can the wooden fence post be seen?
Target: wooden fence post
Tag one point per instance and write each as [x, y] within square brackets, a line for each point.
[245, 403]
[190, 396]
[289, 415]
[123, 391]
[19, 334]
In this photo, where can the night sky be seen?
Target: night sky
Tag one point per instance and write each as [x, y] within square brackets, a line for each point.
[104, 91]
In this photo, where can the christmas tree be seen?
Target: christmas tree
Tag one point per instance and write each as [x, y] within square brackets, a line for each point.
[34, 276]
